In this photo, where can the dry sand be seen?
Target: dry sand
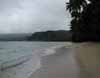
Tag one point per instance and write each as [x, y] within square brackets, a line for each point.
[62, 64]
[88, 57]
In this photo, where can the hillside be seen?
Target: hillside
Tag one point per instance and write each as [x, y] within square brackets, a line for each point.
[59, 35]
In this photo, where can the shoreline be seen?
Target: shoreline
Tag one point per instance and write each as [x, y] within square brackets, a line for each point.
[61, 64]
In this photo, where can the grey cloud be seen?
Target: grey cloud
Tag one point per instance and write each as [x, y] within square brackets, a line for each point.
[18, 16]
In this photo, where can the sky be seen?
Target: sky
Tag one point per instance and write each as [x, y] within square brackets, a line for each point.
[26, 16]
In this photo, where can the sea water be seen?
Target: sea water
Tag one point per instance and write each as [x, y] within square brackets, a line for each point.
[21, 59]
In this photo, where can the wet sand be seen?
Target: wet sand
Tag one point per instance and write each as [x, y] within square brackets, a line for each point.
[80, 61]
[62, 64]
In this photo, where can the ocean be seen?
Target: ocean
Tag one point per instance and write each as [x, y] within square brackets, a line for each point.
[21, 59]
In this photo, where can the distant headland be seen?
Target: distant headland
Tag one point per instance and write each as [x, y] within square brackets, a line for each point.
[57, 35]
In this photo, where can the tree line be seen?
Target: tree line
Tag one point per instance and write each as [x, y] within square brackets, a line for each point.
[85, 20]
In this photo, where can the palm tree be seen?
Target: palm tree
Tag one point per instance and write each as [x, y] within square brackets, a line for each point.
[85, 19]
[75, 7]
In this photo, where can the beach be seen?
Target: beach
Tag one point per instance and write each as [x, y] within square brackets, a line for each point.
[61, 64]
[49, 60]
[33, 59]
[88, 58]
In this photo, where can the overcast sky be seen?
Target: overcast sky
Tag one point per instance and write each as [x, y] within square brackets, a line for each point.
[25, 16]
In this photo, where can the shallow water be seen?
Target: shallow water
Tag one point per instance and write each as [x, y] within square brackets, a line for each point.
[17, 57]
[14, 50]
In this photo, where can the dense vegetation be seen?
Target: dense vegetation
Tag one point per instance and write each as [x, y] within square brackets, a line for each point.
[85, 20]
[59, 35]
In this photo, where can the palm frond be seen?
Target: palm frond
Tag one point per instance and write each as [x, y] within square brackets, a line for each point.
[76, 5]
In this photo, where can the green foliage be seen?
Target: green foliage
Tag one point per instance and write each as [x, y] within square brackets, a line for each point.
[85, 19]
[76, 6]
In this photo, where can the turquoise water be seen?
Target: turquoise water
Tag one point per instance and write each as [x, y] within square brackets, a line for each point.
[13, 50]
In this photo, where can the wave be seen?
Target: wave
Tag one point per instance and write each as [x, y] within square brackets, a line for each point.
[14, 62]
[52, 50]
[22, 67]
[49, 51]
[19, 61]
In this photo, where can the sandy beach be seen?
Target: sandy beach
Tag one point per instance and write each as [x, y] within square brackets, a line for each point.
[62, 64]
[88, 58]
[63, 61]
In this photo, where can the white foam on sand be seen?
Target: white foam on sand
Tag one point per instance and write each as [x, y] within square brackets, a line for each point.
[52, 50]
